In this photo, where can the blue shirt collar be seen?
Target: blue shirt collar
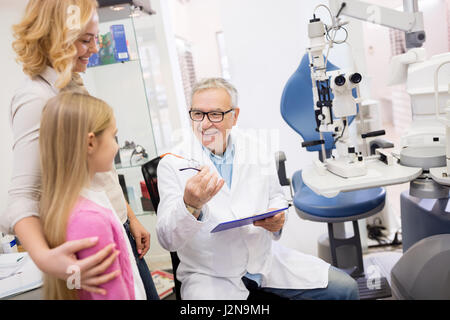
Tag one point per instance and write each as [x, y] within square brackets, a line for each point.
[226, 158]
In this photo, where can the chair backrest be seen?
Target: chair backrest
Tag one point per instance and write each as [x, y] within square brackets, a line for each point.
[149, 171]
[297, 105]
[280, 159]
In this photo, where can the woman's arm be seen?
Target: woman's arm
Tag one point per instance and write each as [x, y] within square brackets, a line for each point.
[140, 234]
[25, 186]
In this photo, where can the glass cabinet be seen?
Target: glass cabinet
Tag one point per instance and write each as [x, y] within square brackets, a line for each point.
[126, 73]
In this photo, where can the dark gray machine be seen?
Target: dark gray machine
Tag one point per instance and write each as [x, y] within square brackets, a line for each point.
[423, 272]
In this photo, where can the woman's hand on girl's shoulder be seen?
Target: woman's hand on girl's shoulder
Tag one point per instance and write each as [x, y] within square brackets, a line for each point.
[62, 262]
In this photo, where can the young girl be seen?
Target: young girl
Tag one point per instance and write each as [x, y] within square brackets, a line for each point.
[77, 140]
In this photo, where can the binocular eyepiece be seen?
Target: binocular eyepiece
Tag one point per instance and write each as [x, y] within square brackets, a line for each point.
[355, 78]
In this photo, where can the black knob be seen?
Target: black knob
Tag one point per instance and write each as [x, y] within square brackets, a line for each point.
[339, 80]
[312, 143]
[355, 78]
[373, 134]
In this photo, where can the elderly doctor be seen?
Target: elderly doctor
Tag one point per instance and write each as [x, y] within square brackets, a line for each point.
[238, 178]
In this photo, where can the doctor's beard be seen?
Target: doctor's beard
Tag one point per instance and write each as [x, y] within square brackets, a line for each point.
[212, 139]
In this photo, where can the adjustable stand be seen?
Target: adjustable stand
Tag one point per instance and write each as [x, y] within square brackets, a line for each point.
[367, 291]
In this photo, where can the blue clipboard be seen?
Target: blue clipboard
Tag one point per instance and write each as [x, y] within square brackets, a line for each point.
[245, 221]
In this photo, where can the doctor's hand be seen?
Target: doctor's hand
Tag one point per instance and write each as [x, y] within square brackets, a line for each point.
[272, 224]
[202, 187]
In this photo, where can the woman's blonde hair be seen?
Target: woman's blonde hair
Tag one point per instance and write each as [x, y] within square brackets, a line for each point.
[47, 33]
[66, 121]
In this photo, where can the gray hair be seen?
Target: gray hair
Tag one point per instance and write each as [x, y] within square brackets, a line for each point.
[216, 83]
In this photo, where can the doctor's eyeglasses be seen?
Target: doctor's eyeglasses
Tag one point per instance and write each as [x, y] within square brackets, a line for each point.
[213, 116]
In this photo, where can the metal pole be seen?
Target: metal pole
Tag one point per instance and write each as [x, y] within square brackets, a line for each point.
[362, 124]
[411, 5]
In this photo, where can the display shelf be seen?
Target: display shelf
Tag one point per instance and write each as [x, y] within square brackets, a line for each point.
[144, 213]
[135, 165]
[114, 64]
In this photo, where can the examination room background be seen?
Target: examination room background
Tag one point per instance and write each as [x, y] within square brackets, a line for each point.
[264, 43]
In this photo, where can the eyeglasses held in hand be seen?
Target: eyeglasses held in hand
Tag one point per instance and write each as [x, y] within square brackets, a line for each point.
[190, 168]
[213, 116]
[192, 164]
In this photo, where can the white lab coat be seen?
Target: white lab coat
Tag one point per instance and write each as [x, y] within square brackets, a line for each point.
[212, 264]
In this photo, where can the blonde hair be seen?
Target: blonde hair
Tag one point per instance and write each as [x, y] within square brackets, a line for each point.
[66, 121]
[47, 33]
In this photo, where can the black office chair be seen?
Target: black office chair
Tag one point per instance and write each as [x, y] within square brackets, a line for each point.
[149, 171]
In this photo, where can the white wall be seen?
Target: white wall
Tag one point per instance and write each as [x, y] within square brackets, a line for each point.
[197, 22]
[169, 63]
[10, 13]
[204, 28]
[436, 28]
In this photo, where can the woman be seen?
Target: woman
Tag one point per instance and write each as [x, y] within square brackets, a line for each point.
[53, 43]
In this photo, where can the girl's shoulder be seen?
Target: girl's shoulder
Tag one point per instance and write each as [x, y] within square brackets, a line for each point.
[85, 208]
[88, 218]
